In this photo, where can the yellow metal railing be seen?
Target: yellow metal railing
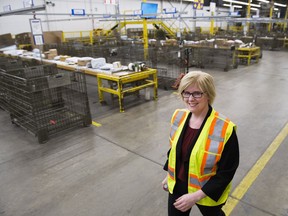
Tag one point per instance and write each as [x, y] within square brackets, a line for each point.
[208, 30]
[236, 28]
[81, 36]
[88, 36]
[166, 28]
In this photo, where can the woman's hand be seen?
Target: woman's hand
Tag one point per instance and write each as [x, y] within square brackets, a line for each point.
[164, 184]
[186, 201]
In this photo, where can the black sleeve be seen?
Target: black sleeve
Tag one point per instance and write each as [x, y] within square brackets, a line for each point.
[227, 166]
[165, 167]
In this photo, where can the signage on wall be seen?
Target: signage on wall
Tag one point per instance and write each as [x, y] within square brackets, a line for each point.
[36, 30]
[28, 3]
[169, 10]
[115, 2]
[137, 12]
[198, 4]
[78, 12]
[212, 6]
[7, 8]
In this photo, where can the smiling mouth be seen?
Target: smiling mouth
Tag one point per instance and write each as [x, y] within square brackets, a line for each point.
[193, 105]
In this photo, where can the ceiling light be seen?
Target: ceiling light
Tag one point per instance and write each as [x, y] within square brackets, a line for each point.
[265, 1]
[234, 6]
[241, 3]
[280, 5]
[227, 5]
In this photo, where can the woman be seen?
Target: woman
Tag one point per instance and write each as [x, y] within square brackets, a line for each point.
[204, 153]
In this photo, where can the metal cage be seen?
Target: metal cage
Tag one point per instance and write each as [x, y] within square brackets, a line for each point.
[45, 100]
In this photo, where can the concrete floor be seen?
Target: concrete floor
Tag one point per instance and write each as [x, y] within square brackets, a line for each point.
[116, 169]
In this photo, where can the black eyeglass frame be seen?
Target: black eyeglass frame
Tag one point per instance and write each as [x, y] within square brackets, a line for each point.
[196, 94]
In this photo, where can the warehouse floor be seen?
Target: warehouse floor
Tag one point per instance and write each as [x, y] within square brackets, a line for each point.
[116, 168]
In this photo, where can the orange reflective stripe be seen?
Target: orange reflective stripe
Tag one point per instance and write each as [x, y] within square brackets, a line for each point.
[224, 129]
[214, 145]
[207, 147]
[193, 181]
[171, 172]
[173, 126]
[203, 163]
[196, 182]
[176, 120]
[221, 144]
[173, 119]
[211, 131]
[182, 118]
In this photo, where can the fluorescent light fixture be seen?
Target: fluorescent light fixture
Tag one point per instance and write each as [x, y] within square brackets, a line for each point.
[255, 9]
[277, 4]
[234, 6]
[241, 3]
[276, 9]
[245, 3]
[280, 5]
[265, 1]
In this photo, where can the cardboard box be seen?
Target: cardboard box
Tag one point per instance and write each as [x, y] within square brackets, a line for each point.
[6, 40]
[51, 54]
[53, 51]
[50, 37]
[84, 61]
[64, 57]
[24, 38]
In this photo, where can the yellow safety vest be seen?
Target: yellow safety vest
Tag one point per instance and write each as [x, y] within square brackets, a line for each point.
[205, 154]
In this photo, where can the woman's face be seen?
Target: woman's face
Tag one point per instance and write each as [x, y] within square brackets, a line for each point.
[196, 101]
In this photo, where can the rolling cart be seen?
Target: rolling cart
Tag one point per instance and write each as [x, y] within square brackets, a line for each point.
[45, 101]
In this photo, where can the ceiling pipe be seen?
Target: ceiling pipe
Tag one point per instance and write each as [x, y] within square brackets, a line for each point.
[23, 11]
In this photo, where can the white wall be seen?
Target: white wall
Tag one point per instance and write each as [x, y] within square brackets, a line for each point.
[59, 18]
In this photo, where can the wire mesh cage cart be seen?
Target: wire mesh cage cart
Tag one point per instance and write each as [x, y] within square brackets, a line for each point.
[225, 58]
[44, 100]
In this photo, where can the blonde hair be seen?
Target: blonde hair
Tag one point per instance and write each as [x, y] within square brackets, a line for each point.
[202, 80]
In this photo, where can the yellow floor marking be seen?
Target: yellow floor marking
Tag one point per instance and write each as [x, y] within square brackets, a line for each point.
[251, 176]
[96, 124]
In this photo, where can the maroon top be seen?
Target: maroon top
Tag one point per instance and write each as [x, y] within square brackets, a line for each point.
[189, 135]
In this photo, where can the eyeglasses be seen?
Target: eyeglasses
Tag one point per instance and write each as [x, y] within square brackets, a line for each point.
[196, 94]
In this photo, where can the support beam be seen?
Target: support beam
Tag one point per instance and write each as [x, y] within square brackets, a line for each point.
[212, 24]
[145, 37]
[248, 15]
[286, 16]
[270, 16]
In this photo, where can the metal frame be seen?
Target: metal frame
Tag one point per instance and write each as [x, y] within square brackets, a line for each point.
[43, 100]
[137, 81]
[249, 54]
